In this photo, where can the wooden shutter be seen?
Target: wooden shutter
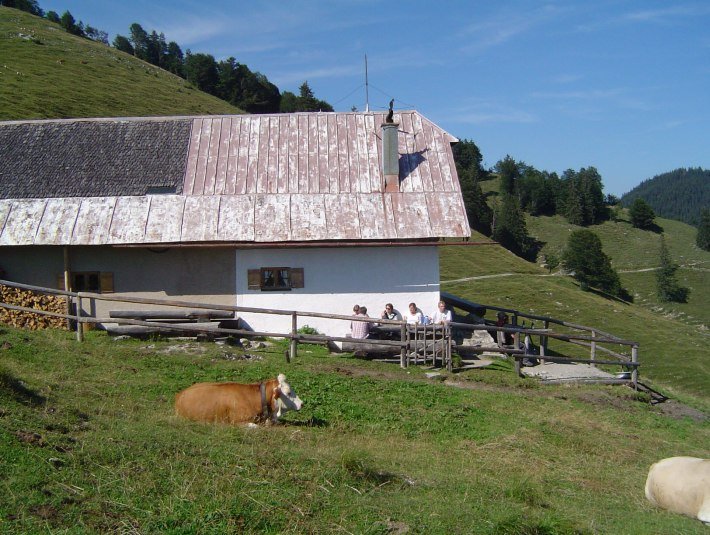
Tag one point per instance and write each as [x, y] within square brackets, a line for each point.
[254, 279]
[106, 282]
[60, 281]
[297, 280]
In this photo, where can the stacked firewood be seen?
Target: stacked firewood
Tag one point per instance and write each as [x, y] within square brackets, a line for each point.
[30, 299]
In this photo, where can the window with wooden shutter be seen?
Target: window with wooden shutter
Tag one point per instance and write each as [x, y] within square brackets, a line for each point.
[275, 278]
[254, 279]
[297, 278]
[106, 282]
[88, 281]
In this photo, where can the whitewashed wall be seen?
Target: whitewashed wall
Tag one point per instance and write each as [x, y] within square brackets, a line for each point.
[337, 278]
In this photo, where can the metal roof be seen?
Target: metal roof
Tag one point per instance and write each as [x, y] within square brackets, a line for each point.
[305, 177]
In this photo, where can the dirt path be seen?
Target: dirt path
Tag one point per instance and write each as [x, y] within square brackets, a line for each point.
[694, 266]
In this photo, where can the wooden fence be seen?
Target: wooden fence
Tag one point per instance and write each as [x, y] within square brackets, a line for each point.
[414, 342]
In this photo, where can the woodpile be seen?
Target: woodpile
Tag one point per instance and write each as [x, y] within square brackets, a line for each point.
[29, 299]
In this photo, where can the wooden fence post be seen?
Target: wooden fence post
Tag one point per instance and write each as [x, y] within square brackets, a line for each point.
[593, 350]
[543, 343]
[635, 371]
[67, 283]
[294, 333]
[447, 347]
[403, 360]
[79, 325]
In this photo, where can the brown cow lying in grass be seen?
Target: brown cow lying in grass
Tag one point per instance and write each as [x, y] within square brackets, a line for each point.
[681, 485]
[235, 403]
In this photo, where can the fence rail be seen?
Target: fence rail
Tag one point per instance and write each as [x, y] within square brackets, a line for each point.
[413, 339]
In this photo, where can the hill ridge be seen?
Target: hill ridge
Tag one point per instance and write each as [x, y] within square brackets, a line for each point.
[680, 194]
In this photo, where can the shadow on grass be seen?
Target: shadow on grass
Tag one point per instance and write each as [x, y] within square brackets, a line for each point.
[17, 389]
[625, 298]
[311, 422]
[359, 467]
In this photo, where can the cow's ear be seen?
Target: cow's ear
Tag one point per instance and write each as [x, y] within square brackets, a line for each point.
[277, 393]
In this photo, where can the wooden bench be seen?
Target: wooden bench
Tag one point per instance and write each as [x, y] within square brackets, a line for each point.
[205, 319]
[173, 316]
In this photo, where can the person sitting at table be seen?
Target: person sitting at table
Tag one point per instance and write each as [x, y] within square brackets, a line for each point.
[414, 316]
[442, 315]
[389, 313]
[503, 337]
[359, 329]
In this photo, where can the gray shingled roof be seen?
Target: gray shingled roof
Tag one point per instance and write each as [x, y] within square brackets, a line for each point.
[92, 158]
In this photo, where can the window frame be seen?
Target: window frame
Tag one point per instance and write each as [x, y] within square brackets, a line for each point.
[266, 278]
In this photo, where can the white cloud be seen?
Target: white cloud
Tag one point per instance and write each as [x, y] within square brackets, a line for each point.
[487, 112]
[192, 31]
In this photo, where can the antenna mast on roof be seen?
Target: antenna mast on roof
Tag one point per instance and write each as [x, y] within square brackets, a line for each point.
[367, 89]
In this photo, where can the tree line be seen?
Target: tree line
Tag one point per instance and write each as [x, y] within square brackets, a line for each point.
[227, 79]
[577, 195]
[680, 194]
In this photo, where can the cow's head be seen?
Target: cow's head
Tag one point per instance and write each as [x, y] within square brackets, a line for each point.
[285, 398]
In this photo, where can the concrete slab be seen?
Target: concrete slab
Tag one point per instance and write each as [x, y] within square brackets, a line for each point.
[553, 371]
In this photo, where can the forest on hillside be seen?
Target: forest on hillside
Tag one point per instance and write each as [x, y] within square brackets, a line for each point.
[227, 79]
[576, 195]
[681, 194]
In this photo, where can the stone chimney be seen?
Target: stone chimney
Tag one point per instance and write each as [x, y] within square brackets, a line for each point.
[390, 156]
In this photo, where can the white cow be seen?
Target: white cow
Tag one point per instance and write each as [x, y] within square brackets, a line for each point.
[681, 485]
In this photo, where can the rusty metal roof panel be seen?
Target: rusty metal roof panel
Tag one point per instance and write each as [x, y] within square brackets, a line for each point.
[93, 221]
[22, 222]
[58, 220]
[129, 220]
[164, 222]
[236, 218]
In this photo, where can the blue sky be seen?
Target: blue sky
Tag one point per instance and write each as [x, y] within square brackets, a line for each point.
[620, 85]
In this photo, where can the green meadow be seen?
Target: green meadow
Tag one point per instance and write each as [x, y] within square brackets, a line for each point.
[89, 443]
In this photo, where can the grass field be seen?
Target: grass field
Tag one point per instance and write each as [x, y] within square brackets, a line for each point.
[46, 73]
[89, 444]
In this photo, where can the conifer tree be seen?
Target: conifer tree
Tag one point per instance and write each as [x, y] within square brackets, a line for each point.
[642, 215]
[667, 286]
[510, 228]
[703, 238]
[589, 264]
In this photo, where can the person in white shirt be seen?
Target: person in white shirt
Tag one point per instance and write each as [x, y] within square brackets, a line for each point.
[414, 316]
[442, 315]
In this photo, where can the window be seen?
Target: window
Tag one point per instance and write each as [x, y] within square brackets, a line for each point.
[88, 281]
[275, 278]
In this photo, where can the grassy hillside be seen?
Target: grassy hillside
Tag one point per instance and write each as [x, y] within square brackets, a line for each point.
[47, 73]
[89, 444]
[673, 353]
[635, 254]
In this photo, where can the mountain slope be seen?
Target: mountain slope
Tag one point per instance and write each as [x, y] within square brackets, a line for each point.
[672, 350]
[635, 255]
[47, 73]
[680, 194]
